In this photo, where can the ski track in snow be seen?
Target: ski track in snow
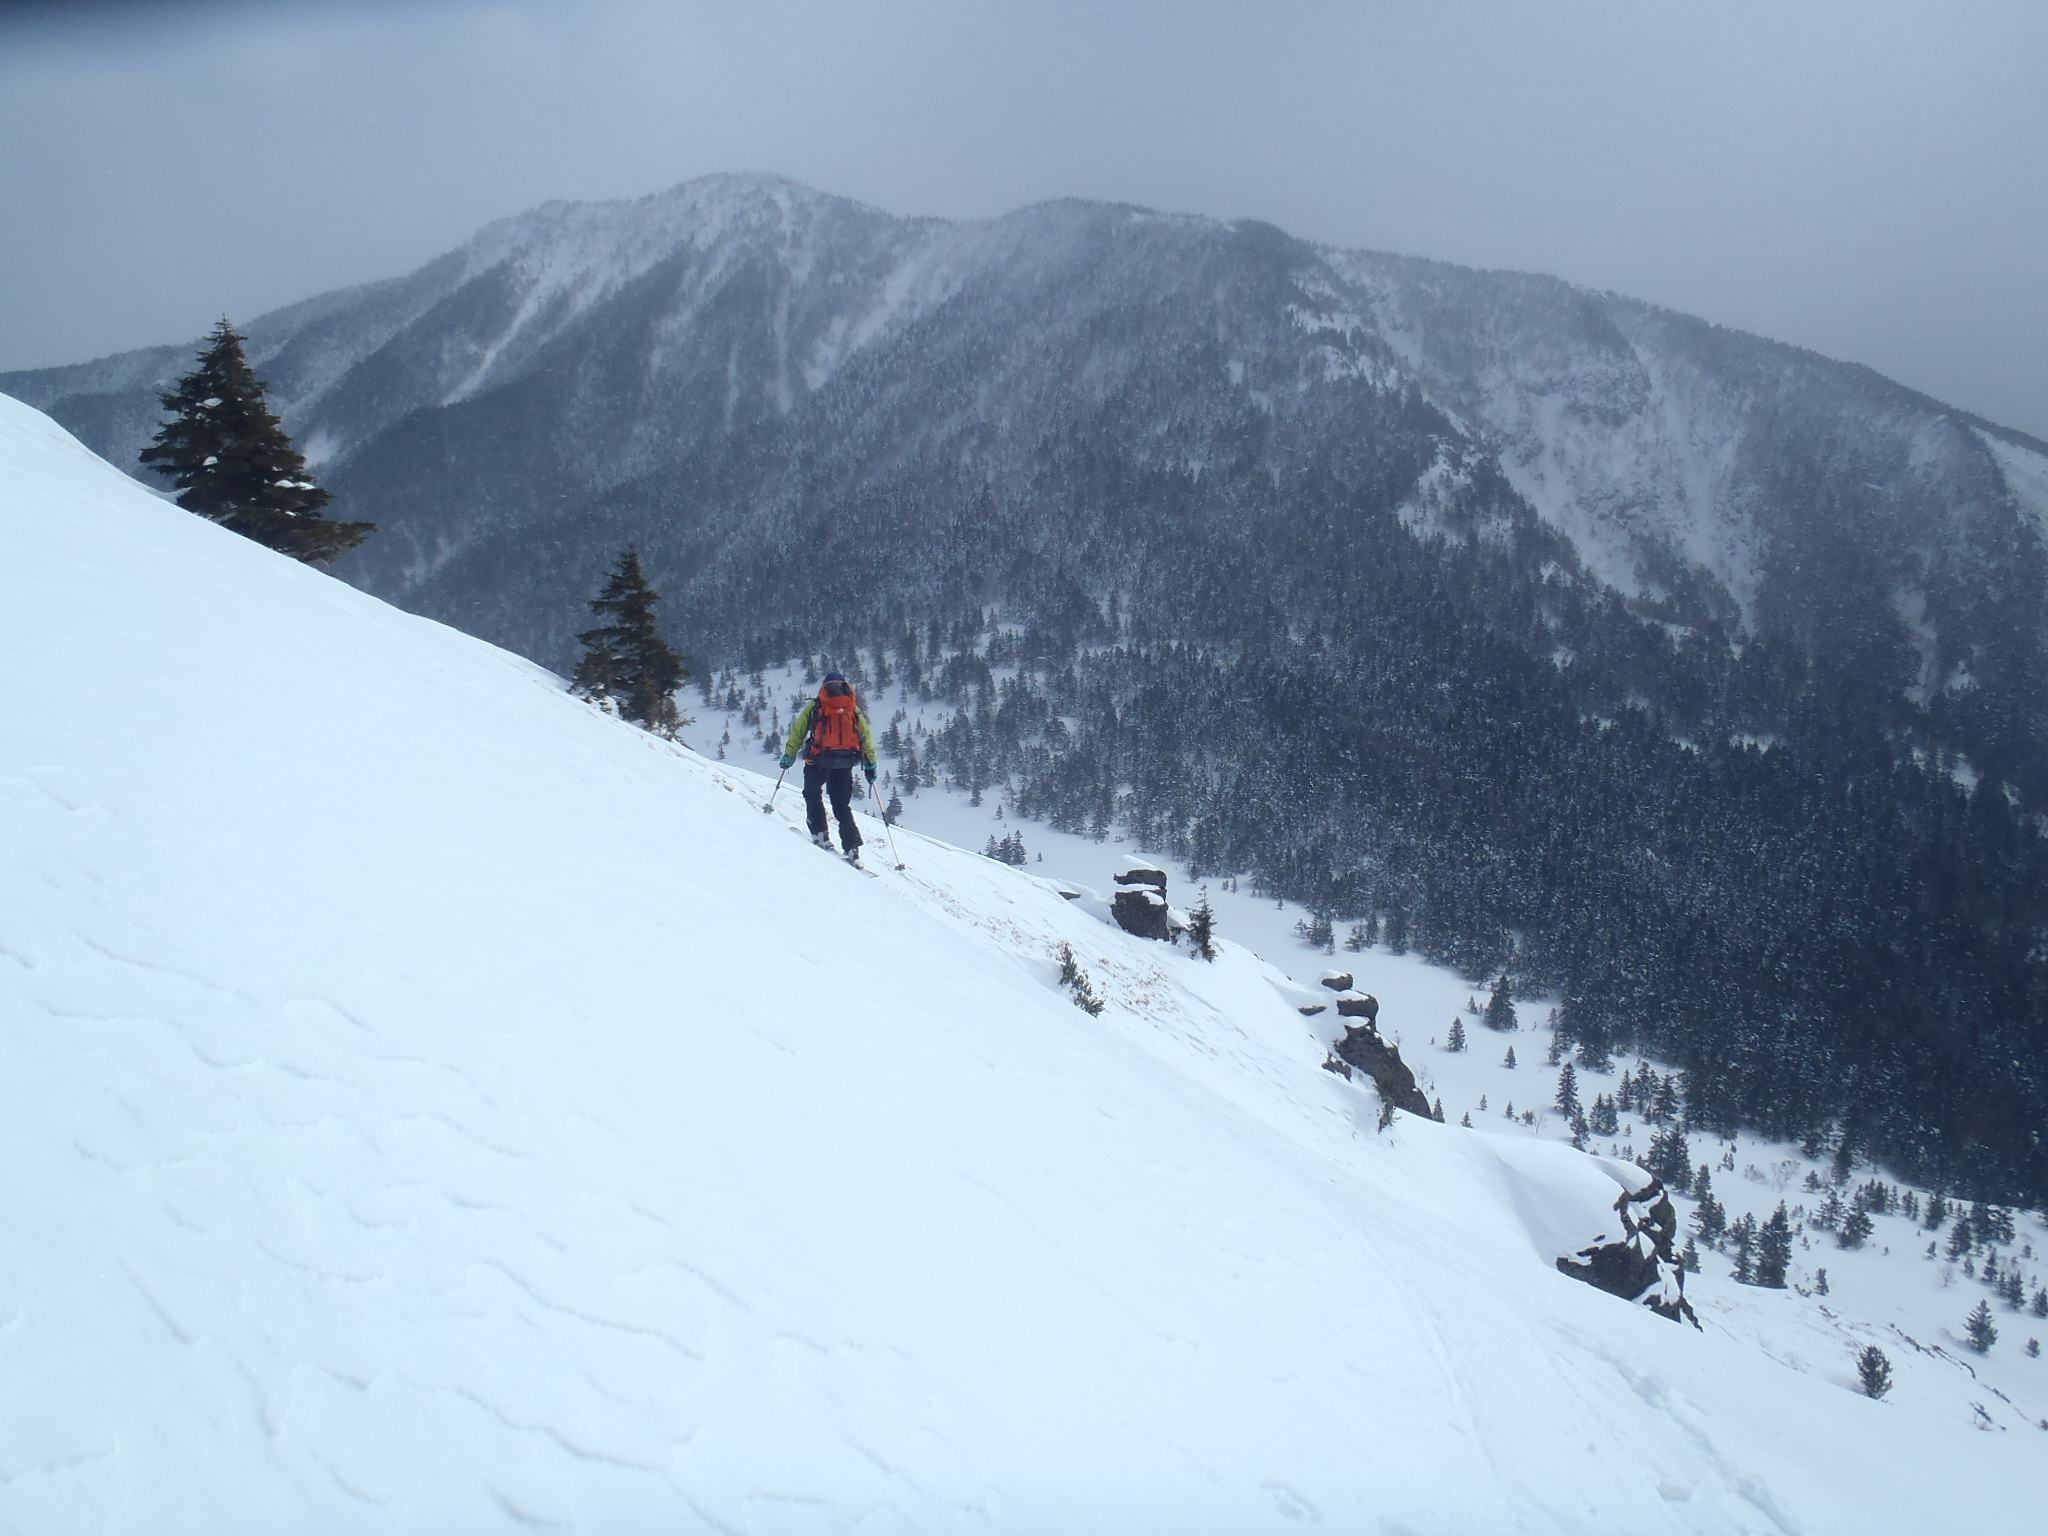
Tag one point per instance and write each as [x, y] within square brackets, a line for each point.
[431, 1105]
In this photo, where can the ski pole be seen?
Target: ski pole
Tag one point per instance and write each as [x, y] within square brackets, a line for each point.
[769, 808]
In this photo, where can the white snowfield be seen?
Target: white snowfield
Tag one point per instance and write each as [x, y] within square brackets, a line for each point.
[433, 1106]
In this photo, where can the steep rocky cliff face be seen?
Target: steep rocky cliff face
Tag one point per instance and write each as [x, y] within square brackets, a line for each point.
[1692, 675]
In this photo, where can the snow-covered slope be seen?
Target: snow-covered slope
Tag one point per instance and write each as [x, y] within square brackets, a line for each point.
[431, 1105]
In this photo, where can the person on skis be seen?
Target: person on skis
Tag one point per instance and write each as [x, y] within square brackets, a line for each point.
[833, 734]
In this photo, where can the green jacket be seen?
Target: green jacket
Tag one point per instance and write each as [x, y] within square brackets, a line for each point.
[800, 732]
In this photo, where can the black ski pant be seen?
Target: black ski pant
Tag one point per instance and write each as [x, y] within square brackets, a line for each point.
[839, 781]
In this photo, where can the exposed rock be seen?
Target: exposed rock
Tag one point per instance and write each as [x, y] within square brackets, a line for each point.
[1363, 1048]
[1644, 1265]
[1313, 1009]
[1141, 874]
[1143, 912]
[1338, 981]
[1362, 1005]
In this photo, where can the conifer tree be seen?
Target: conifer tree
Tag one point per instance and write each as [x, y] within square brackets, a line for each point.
[1500, 1009]
[1960, 1238]
[1508, 1060]
[1602, 1116]
[626, 660]
[1567, 1100]
[1455, 1041]
[1978, 1330]
[1856, 1229]
[1710, 1220]
[1744, 1235]
[1670, 1159]
[1663, 1108]
[1874, 1370]
[1202, 927]
[234, 465]
[1774, 1249]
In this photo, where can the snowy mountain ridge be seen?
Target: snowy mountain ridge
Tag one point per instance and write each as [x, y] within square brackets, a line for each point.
[1630, 429]
[435, 1105]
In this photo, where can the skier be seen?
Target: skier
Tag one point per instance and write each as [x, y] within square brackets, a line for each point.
[833, 733]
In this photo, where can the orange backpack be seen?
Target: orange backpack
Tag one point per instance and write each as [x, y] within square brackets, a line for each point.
[836, 725]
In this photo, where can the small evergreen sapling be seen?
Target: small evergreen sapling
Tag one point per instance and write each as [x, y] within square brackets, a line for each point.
[234, 465]
[1874, 1371]
[625, 659]
[1455, 1041]
[1508, 1060]
[1075, 980]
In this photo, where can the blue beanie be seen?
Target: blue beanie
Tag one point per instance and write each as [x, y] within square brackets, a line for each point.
[835, 677]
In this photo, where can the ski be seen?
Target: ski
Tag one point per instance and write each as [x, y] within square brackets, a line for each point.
[842, 858]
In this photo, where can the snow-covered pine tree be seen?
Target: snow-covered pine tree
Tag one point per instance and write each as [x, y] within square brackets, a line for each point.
[1774, 1249]
[1663, 1106]
[1978, 1330]
[1874, 1371]
[1710, 1220]
[1856, 1229]
[1744, 1236]
[1960, 1238]
[1202, 927]
[1500, 1008]
[1829, 1215]
[1455, 1040]
[234, 465]
[1567, 1100]
[1602, 1117]
[626, 659]
[1670, 1159]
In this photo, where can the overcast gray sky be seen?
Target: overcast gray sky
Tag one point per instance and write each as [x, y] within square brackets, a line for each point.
[1865, 177]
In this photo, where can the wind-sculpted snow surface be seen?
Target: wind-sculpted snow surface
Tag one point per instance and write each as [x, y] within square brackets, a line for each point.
[431, 1105]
